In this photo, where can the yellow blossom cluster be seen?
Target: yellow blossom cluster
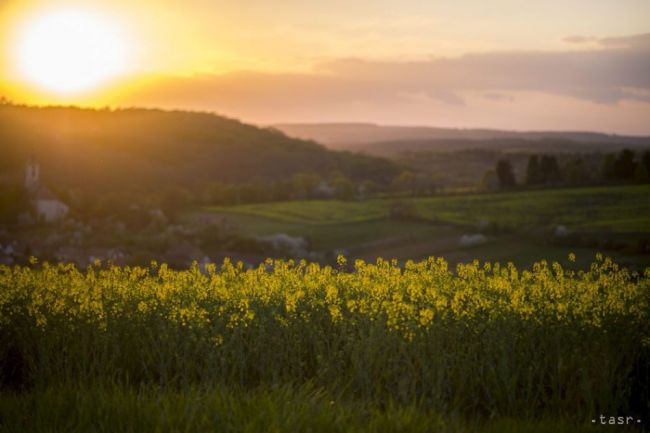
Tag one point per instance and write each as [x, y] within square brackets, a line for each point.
[404, 298]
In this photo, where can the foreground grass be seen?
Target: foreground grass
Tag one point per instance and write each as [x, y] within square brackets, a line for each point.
[275, 409]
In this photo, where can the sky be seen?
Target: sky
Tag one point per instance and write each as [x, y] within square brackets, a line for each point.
[507, 64]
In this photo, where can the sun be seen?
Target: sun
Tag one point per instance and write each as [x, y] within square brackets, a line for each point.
[70, 51]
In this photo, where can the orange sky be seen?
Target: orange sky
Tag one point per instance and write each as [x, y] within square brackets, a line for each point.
[499, 64]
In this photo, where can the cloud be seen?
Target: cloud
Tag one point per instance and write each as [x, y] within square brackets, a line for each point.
[598, 75]
[613, 70]
[578, 39]
[640, 42]
[637, 42]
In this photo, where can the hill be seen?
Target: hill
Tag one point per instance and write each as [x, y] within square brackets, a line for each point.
[505, 145]
[363, 136]
[144, 148]
[459, 158]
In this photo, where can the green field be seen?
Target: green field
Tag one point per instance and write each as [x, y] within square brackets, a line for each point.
[620, 209]
[519, 225]
[333, 236]
[314, 212]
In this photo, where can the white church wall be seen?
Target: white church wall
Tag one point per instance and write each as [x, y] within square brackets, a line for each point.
[51, 210]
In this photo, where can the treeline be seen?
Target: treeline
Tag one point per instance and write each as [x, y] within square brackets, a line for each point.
[300, 186]
[544, 170]
[306, 186]
[625, 166]
[133, 206]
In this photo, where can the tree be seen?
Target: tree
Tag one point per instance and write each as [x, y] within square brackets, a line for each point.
[490, 181]
[281, 190]
[304, 184]
[575, 172]
[13, 202]
[405, 182]
[609, 167]
[174, 200]
[625, 165]
[641, 174]
[213, 193]
[344, 188]
[253, 192]
[423, 185]
[367, 188]
[550, 170]
[645, 160]
[505, 174]
[533, 173]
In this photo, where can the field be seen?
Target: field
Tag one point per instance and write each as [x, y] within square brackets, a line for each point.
[355, 347]
[625, 208]
[519, 225]
[545, 341]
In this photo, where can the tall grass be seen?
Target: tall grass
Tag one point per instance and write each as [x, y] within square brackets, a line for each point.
[117, 409]
[481, 340]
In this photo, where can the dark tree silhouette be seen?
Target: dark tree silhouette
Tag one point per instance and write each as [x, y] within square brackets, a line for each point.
[533, 174]
[645, 160]
[575, 172]
[550, 170]
[625, 166]
[505, 173]
[609, 167]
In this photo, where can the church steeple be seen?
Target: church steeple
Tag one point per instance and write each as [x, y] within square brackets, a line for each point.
[32, 174]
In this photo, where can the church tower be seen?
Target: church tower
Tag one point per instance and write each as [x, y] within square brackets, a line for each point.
[32, 173]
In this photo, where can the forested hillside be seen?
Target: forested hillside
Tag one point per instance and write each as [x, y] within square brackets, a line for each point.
[144, 148]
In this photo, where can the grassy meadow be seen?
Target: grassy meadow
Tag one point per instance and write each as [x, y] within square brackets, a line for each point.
[618, 208]
[519, 225]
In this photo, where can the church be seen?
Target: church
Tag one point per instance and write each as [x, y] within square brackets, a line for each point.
[47, 207]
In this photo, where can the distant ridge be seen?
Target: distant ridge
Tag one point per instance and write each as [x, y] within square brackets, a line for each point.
[361, 135]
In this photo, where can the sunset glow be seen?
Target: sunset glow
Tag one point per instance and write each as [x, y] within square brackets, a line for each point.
[68, 51]
[451, 64]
